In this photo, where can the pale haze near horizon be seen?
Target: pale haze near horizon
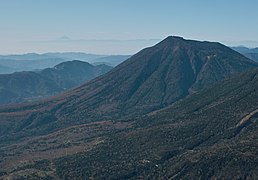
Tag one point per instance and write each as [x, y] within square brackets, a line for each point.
[121, 27]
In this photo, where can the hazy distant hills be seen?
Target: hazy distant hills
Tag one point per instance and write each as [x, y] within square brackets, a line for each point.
[251, 53]
[75, 55]
[28, 65]
[174, 110]
[243, 49]
[5, 70]
[28, 56]
[112, 60]
[33, 61]
[28, 85]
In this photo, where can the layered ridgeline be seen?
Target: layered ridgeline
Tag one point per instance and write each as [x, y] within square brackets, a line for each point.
[152, 79]
[33, 61]
[251, 53]
[27, 86]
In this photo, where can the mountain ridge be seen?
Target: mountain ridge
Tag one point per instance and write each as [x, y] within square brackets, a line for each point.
[26, 86]
[198, 136]
[34, 61]
[170, 111]
[150, 80]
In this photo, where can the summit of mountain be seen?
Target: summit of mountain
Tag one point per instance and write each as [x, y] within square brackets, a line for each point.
[162, 113]
[162, 74]
[149, 80]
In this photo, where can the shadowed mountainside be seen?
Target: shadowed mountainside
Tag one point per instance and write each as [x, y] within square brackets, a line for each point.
[210, 134]
[27, 86]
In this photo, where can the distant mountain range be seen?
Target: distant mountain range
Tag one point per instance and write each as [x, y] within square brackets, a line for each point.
[182, 109]
[251, 53]
[28, 85]
[33, 61]
[111, 60]
[12, 65]
[243, 49]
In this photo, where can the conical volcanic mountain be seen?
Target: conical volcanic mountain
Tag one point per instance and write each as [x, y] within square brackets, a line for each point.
[109, 128]
[151, 79]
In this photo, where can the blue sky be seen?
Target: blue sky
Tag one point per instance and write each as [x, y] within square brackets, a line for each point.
[121, 26]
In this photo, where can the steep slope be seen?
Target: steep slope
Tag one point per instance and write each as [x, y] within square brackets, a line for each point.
[152, 79]
[209, 135]
[253, 56]
[161, 75]
[26, 86]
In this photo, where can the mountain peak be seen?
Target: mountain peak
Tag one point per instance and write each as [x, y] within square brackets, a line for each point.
[172, 39]
[177, 42]
[169, 38]
[172, 43]
[152, 79]
[127, 102]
